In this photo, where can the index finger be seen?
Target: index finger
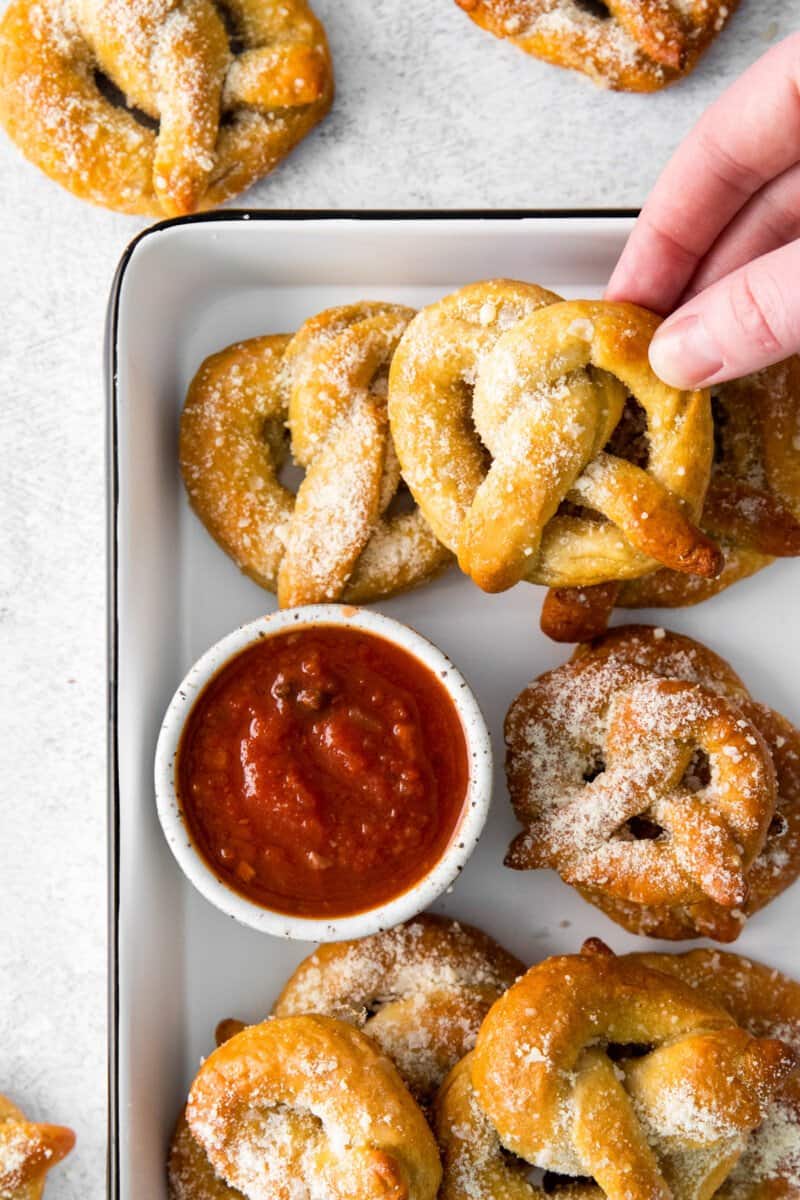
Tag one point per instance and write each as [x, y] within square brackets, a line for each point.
[747, 137]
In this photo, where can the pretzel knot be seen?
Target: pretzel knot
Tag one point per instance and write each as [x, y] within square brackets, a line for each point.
[550, 383]
[207, 113]
[656, 791]
[345, 536]
[665, 655]
[594, 1066]
[309, 1103]
[420, 991]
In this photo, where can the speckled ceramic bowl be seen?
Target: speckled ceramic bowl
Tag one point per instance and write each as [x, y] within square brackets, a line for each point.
[402, 907]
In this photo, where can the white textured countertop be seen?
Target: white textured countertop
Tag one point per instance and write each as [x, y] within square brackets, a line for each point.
[431, 112]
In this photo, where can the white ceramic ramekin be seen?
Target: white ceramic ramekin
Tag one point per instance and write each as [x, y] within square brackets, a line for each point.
[401, 908]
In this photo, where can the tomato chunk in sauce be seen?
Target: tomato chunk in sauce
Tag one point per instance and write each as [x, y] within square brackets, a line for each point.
[322, 771]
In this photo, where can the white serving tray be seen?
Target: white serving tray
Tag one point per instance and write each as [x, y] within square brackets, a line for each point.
[184, 290]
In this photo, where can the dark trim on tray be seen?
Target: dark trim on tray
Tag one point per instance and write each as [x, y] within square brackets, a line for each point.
[358, 214]
[112, 646]
[112, 504]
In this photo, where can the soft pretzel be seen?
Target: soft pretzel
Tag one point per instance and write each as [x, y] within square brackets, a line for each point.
[752, 507]
[28, 1150]
[419, 990]
[601, 752]
[600, 1068]
[590, 763]
[233, 446]
[766, 1004]
[778, 864]
[627, 45]
[308, 1106]
[203, 113]
[546, 385]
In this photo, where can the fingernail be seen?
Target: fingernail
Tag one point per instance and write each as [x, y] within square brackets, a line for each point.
[684, 354]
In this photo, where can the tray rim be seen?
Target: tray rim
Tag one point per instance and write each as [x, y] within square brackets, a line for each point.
[110, 365]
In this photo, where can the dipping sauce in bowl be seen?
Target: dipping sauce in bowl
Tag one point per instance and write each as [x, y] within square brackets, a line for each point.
[322, 771]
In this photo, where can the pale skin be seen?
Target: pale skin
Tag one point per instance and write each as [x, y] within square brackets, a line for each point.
[716, 249]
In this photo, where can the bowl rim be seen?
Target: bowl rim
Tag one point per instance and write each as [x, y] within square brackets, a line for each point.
[400, 908]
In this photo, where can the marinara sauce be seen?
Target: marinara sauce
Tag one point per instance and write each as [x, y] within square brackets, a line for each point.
[322, 771]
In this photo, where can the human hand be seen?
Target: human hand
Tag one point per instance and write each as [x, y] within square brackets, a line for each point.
[716, 244]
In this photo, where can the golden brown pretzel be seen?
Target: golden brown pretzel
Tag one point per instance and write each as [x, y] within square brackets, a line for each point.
[547, 396]
[601, 756]
[766, 1004]
[419, 990]
[233, 445]
[311, 1099]
[628, 45]
[224, 116]
[28, 1150]
[602, 1069]
[777, 866]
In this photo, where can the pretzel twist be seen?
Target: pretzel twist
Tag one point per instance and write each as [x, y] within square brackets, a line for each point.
[336, 540]
[420, 991]
[632, 45]
[211, 120]
[311, 1099]
[338, 363]
[549, 385]
[668, 655]
[28, 1150]
[604, 773]
[666, 1115]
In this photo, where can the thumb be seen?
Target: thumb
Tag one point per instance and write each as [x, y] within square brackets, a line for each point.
[743, 322]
